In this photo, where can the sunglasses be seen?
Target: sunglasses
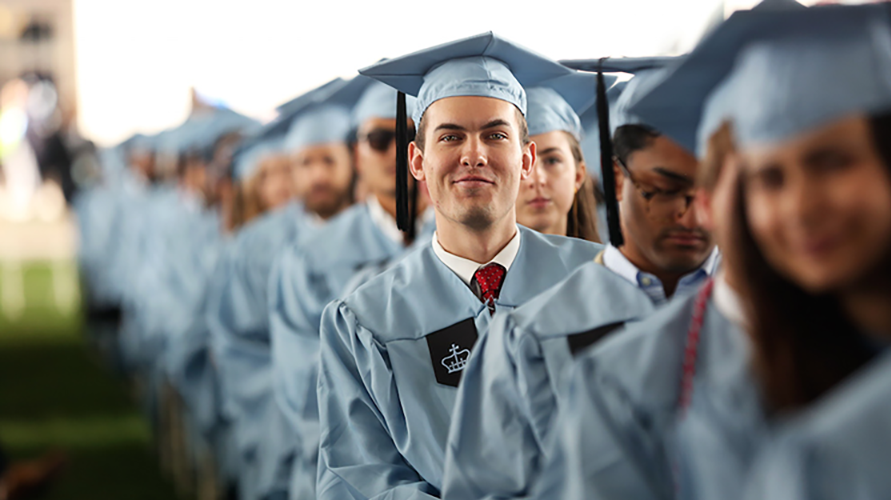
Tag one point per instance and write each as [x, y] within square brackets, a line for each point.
[380, 138]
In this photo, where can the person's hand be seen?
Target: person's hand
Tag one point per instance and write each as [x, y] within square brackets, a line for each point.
[24, 480]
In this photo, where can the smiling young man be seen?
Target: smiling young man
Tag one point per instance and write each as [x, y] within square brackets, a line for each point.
[392, 353]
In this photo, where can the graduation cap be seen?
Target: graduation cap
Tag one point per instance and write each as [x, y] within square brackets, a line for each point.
[247, 159]
[327, 118]
[612, 65]
[301, 100]
[590, 142]
[484, 65]
[557, 103]
[778, 72]
[378, 101]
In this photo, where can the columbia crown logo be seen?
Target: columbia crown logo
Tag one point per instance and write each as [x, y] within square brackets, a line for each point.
[458, 359]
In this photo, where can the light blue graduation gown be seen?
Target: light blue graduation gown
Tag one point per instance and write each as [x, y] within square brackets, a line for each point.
[97, 214]
[614, 435]
[391, 357]
[306, 279]
[237, 317]
[836, 448]
[512, 385]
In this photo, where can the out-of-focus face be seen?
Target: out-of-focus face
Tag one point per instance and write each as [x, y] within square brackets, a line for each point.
[376, 156]
[656, 213]
[819, 205]
[323, 175]
[473, 159]
[546, 196]
[276, 185]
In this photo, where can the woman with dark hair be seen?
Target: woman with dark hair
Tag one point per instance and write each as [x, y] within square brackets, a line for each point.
[807, 415]
[558, 197]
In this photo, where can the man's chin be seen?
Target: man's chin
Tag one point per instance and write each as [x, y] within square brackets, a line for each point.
[323, 208]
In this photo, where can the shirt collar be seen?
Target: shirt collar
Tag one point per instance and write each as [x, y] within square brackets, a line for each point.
[387, 224]
[384, 221]
[615, 261]
[466, 268]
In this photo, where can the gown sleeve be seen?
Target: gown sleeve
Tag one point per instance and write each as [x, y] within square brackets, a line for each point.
[492, 449]
[603, 446]
[358, 458]
[297, 300]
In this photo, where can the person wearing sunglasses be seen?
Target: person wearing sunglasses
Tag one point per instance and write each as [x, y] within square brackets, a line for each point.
[316, 272]
[510, 390]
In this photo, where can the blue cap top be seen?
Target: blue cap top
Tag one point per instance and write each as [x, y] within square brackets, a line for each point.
[304, 99]
[787, 69]
[484, 65]
[327, 118]
[249, 158]
[557, 103]
[378, 101]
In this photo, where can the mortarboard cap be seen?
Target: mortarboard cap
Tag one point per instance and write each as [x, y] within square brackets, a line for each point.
[484, 65]
[378, 101]
[248, 158]
[787, 69]
[327, 118]
[557, 103]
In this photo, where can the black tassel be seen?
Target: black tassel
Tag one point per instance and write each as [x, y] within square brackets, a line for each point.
[402, 209]
[606, 163]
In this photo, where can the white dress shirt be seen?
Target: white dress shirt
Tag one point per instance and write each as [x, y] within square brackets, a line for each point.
[466, 268]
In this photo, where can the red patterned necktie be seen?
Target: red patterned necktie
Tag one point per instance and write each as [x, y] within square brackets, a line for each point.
[489, 279]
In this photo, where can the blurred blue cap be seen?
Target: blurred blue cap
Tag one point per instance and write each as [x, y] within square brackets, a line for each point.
[247, 160]
[327, 118]
[785, 70]
[379, 101]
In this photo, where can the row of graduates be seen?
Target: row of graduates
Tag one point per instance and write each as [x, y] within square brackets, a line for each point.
[357, 353]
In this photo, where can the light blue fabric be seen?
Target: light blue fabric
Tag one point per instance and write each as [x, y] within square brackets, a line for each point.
[513, 383]
[246, 162]
[327, 118]
[98, 223]
[384, 417]
[549, 112]
[836, 448]
[306, 278]
[237, 317]
[799, 68]
[379, 101]
[615, 433]
[484, 65]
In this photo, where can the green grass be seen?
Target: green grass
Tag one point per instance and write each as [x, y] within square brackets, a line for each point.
[55, 394]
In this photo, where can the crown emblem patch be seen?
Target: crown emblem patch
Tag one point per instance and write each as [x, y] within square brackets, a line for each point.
[458, 359]
[450, 349]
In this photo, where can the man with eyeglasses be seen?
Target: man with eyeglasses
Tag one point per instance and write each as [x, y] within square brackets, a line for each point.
[316, 272]
[512, 386]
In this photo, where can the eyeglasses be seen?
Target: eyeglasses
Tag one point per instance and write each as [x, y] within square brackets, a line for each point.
[661, 203]
[380, 138]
